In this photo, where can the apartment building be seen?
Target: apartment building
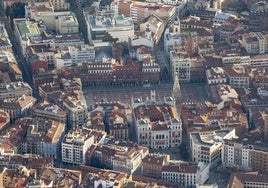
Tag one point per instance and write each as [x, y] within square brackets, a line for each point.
[258, 20]
[238, 76]
[248, 179]
[206, 147]
[152, 165]
[119, 155]
[106, 26]
[14, 90]
[255, 42]
[180, 66]
[76, 143]
[75, 106]
[117, 125]
[216, 75]
[18, 107]
[45, 109]
[259, 158]
[157, 124]
[4, 39]
[44, 137]
[183, 173]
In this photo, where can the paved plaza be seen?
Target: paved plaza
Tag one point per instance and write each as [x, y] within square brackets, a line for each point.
[190, 93]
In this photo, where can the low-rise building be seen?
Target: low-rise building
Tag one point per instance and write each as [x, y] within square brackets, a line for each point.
[206, 147]
[66, 24]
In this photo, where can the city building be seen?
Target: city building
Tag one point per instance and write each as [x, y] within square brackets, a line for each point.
[25, 31]
[216, 75]
[73, 55]
[75, 106]
[57, 177]
[237, 76]
[125, 73]
[156, 26]
[60, 5]
[117, 125]
[182, 173]
[44, 137]
[258, 20]
[18, 107]
[222, 93]
[255, 42]
[66, 24]
[47, 110]
[14, 90]
[76, 143]
[157, 124]
[152, 165]
[249, 179]
[106, 26]
[180, 66]
[206, 147]
[119, 155]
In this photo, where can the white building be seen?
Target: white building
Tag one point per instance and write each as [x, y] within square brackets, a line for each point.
[14, 90]
[180, 66]
[237, 154]
[74, 55]
[106, 26]
[157, 123]
[171, 40]
[216, 75]
[76, 108]
[186, 174]
[75, 145]
[206, 147]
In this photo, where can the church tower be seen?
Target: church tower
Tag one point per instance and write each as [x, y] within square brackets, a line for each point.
[176, 92]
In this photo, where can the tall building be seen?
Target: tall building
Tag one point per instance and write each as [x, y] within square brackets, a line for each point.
[74, 146]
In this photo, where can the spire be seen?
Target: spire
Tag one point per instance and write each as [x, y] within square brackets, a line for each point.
[176, 92]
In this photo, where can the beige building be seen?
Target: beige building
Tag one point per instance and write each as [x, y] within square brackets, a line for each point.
[67, 24]
[237, 75]
[157, 124]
